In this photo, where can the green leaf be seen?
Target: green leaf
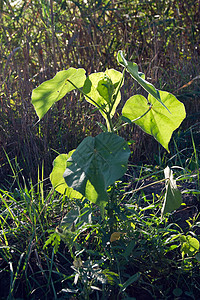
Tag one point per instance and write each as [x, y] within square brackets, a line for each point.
[77, 215]
[189, 245]
[96, 164]
[51, 91]
[177, 292]
[105, 88]
[129, 249]
[101, 87]
[53, 239]
[132, 68]
[57, 179]
[131, 280]
[71, 218]
[157, 121]
[173, 198]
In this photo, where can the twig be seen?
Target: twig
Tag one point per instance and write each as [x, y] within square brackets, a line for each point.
[8, 60]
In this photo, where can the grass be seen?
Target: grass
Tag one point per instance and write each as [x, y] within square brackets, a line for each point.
[26, 214]
[53, 247]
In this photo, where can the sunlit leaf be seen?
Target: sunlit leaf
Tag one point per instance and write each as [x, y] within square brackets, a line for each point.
[173, 197]
[105, 88]
[157, 121]
[100, 87]
[51, 91]
[132, 68]
[55, 240]
[189, 245]
[57, 179]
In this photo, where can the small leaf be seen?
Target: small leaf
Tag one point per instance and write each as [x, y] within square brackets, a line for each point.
[78, 262]
[95, 288]
[189, 245]
[105, 88]
[133, 225]
[100, 87]
[115, 236]
[51, 91]
[76, 278]
[197, 256]
[173, 197]
[70, 290]
[177, 292]
[55, 240]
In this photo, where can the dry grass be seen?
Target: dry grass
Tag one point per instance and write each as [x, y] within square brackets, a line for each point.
[37, 40]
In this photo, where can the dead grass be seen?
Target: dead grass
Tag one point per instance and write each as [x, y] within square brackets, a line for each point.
[37, 40]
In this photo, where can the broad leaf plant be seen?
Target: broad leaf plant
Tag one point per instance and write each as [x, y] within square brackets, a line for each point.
[88, 171]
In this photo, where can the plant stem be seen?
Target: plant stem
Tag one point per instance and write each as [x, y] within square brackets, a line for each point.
[53, 36]
[110, 210]
[109, 123]
[150, 184]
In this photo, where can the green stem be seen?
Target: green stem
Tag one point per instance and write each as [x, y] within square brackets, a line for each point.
[109, 123]
[110, 210]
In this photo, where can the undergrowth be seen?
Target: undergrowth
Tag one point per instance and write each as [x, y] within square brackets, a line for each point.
[56, 248]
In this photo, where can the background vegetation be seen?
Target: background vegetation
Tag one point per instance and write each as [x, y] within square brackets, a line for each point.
[39, 38]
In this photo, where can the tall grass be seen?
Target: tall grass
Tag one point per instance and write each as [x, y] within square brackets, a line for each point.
[27, 213]
[146, 260]
[39, 38]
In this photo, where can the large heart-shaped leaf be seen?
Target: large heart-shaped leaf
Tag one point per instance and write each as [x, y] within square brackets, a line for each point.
[96, 164]
[50, 91]
[57, 180]
[158, 121]
[101, 91]
[173, 198]
[132, 68]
